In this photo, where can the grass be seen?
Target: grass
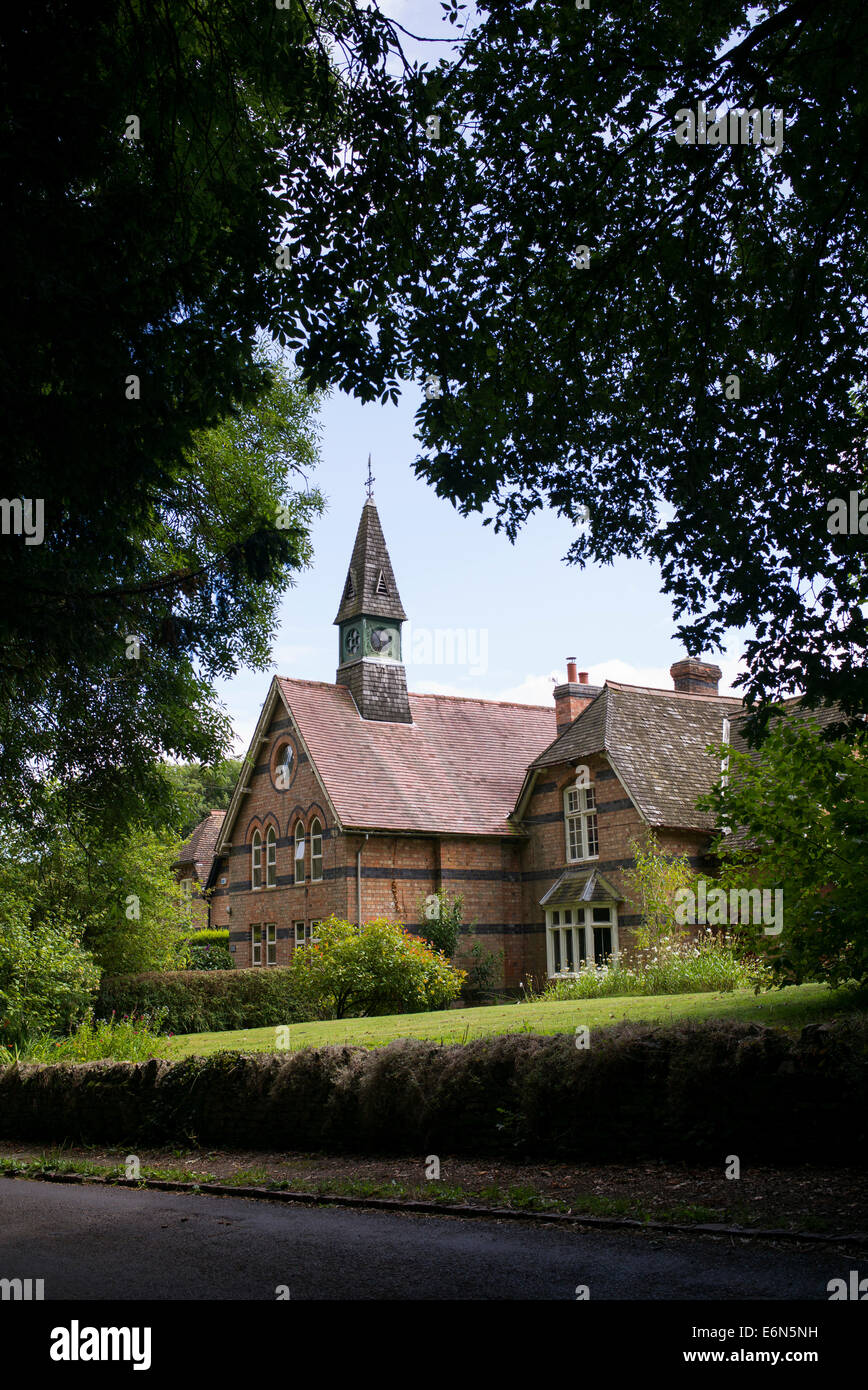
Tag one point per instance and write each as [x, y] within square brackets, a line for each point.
[521, 1197]
[789, 1008]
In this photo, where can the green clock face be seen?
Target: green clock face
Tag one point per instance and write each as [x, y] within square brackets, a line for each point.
[383, 641]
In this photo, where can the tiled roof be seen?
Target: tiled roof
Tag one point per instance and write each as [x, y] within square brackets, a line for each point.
[580, 886]
[198, 849]
[457, 768]
[370, 585]
[656, 742]
[823, 717]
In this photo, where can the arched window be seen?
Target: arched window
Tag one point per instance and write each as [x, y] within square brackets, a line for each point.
[271, 858]
[299, 853]
[315, 849]
[256, 860]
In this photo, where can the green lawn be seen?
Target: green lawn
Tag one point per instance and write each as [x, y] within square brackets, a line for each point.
[792, 1007]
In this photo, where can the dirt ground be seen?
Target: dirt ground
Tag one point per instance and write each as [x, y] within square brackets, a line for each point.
[805, 1198]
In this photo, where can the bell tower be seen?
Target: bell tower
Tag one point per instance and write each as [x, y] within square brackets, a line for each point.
[369, 626]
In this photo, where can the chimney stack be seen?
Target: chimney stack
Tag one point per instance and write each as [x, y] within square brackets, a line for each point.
[694, 677]
[572, 698]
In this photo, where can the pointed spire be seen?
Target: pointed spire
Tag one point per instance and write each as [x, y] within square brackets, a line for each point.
[370, 586]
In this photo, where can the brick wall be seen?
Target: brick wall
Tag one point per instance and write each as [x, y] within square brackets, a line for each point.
[500, 879]
[618, 825]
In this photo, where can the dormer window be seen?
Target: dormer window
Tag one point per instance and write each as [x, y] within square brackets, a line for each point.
[580, 818]
[382, 586]
[350, 590]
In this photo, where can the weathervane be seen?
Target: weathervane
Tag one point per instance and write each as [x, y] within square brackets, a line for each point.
[369, 481]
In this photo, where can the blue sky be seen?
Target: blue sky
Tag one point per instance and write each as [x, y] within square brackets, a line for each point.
[522, 610]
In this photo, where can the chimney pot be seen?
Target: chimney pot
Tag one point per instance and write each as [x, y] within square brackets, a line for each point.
[583, 678]
[571, 670]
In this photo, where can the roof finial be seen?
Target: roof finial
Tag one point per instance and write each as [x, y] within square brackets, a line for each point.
[369, 481]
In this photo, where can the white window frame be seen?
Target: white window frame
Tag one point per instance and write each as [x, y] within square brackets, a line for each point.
[581, 829]
[295, 927]
[298, 862]
[271, 943]
[256, 943]
[256, 861]
[316, 853]
[564, 943]
[271, 858]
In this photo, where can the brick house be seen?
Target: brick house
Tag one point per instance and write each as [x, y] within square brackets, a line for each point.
[359, 798]
[194, 865]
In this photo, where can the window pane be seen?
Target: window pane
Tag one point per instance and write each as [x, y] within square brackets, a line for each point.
[568, 916]
[591, 825]
[602, 944]
[556, 943]
[299, 933]
[568, 950]
[556, 919]
[582, 952]
[602, 914]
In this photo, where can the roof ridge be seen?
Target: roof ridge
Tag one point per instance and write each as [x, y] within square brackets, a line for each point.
[676, 694]
[480, 700]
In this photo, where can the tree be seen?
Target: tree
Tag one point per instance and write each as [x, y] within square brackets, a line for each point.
[47, 979]
[117, 894]
[158, 155]
[653, 884]
[116, 667]
[200, 789]
[378, 968]
[695, 380]
[796, 818]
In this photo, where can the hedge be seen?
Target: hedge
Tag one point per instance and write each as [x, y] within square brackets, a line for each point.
[204, 1001]
[686, 1092]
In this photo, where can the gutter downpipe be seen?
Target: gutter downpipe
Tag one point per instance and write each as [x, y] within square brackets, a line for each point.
[359, 880]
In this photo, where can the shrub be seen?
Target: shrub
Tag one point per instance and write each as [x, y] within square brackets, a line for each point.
[685, 1092]
[205, 1001]
[47, 982]
[379, 968]
[441, 921]
[209, 950]
[128, 1039]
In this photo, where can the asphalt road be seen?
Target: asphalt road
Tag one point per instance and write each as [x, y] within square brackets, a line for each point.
[118, 1243]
